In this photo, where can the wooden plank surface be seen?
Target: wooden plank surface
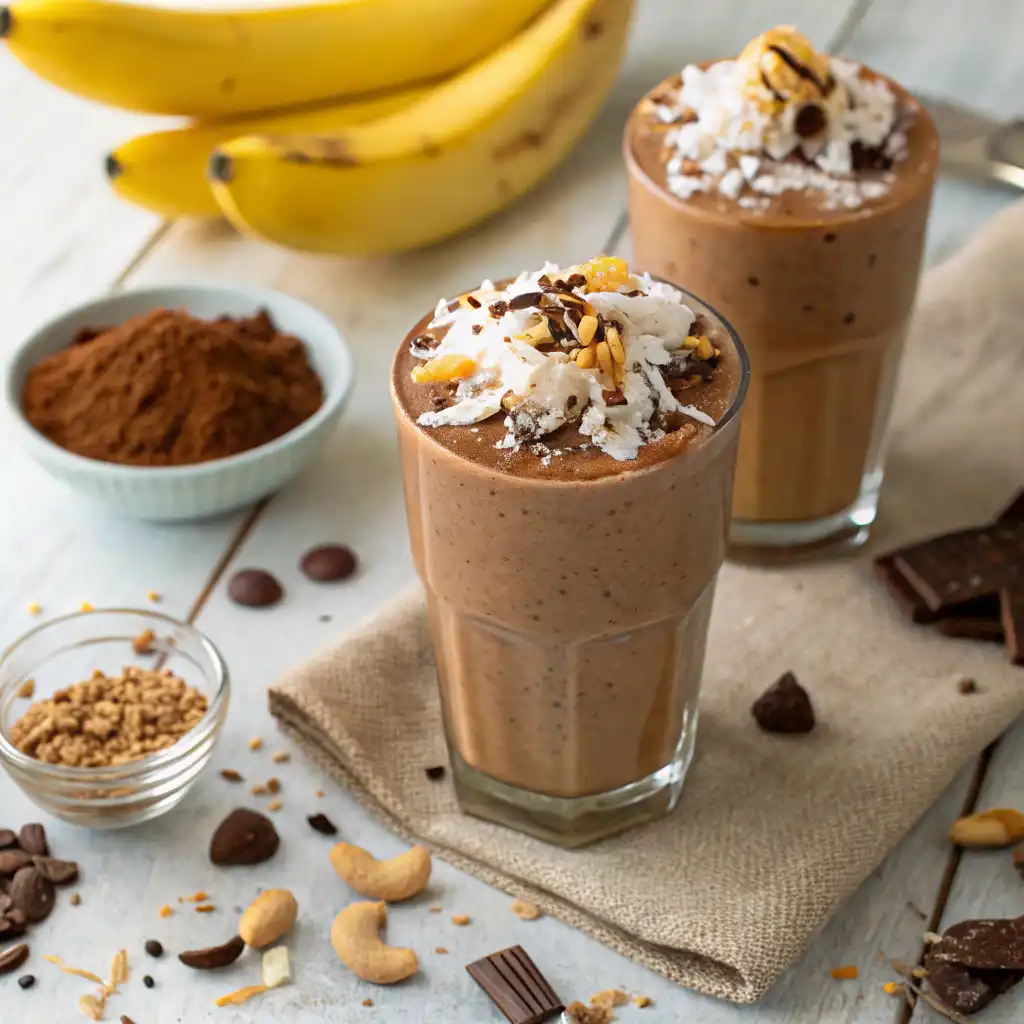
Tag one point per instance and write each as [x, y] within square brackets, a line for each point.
[63, 551]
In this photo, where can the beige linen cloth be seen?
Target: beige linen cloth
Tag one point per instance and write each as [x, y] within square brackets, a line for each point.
[773, 833]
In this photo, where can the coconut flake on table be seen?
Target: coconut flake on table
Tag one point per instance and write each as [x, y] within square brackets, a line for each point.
[735, 148]
[554, 390]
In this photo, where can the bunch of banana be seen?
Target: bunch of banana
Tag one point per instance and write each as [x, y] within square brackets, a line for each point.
[473, 102]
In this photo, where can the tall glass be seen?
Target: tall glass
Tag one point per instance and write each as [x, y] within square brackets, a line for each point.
[570, 619]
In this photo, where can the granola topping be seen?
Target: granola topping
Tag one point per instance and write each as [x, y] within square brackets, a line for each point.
[781, 117]
[596, 346]
[110, 720]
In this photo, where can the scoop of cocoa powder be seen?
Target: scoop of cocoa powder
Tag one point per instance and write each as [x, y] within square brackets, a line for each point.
[168, 389]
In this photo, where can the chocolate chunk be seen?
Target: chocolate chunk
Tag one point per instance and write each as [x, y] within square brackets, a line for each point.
[322, 824]
[576, 281]
[966, 990]
[435, 772]
[526, 300]
[329, 563]
[32, 894]
[983, 944]
[154, 948]
[32, 839]
[244, 837]
[906, 596]
[60, 872]
[26, 981]
[498, 309]
[11, 959]
[612, 398]
[784, 707]
[254, 588]
[965, 627]
[810, 121]
[966, 686]
[147, 980]
[215, 956]
[12, 861]
[516, 987]
[7, 838]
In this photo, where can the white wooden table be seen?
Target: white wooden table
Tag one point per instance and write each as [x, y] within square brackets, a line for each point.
[63, 237]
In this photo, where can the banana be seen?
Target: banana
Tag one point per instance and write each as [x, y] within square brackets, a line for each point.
[166, 171]
[465, 151]
[215, 64]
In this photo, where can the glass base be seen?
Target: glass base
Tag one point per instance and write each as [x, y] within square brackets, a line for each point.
[773, 543]
[575, 821]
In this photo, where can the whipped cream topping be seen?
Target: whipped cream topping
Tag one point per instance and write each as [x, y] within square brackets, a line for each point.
[620, 405]
[735, 133]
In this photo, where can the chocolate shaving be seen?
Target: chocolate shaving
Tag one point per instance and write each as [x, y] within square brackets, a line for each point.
[525, 300]
[473, 301]
[498, 309]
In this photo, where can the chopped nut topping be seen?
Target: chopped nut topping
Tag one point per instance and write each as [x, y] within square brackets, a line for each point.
[281, 757]
[641, 1001]
[460, 919]
[196, 897]
[205, 908]
[275, 805]
[230, 775]
[240, 996]
[844, 973]
[152, 596]
[27, 690]
[85, 607]
[143, 643]
[441, 951]
[447, 367]
[273, 785]
[75, 900]
[256, 743]
[526, 911]
[33, 608]
[166, 911]
[110, 720]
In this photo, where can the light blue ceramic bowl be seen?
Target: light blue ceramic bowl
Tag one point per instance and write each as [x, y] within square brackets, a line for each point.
[209, 488]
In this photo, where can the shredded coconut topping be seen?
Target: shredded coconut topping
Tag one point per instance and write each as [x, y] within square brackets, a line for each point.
[558, 347]
[780, 118]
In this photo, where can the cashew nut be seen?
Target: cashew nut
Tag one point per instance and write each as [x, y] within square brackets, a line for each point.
[355, 936]
[393, 880]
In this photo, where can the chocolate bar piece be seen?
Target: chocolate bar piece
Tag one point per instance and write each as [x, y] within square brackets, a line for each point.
[985, 944]
[516, 986]
[1014, 512]
[967, 627]
[903, 593]
[967, 990]
[1011, 604]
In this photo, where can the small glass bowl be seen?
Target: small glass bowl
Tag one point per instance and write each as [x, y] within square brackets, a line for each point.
[67, 650]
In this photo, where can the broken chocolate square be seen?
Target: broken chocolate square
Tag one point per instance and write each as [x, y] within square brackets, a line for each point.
[516, 986]
[984, 944]
[966, 990]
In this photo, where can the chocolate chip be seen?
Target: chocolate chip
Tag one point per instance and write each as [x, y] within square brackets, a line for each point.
[12, 861]
[154, 948]
[753, 281]
[322, 824]
[11, 959]
[329, 563]
[60, 872]
[32, 839]
[516, 986]
[966, 686]
[473, 301]
[848, 318]
[810, 121]
[147, 980]
[26, 981]
[784, 707]
[244, 837]
[498, 309]
[435, 773]
[32, 894]
[7, 838]
[254, 588]
[970, 628]
[829, 238]
[213, 957]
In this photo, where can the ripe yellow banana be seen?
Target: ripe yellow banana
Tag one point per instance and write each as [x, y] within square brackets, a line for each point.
[224, 63]
[465, 151]
[166, 171]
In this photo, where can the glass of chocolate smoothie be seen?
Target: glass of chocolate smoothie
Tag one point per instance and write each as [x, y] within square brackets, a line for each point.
[791, 190]
[568, 446]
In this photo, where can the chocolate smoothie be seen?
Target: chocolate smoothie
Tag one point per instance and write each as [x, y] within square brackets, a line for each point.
[792, 190]
[568, 446]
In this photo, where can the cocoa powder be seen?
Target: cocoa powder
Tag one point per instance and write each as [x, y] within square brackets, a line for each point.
[168, 389]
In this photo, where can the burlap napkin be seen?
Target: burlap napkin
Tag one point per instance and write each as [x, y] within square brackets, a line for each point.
[773, 833]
